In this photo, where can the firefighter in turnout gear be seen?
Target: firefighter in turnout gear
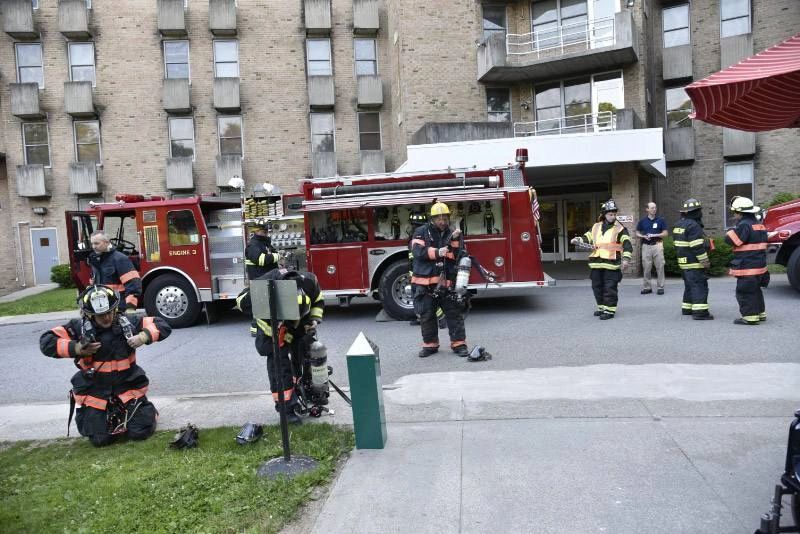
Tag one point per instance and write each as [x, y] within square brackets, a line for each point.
[109, 388]
[260, 258]
[416, 220]
[113, 269]
[436, 250]
[749, 264]
[294, 338]
[611, 253]
[691, 248]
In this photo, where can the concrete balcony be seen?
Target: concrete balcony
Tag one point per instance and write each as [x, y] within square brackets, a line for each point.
[25, 100]
[317, 16]
[171, 18]
[226, 94]
[365, 17]
[679, 144]
[572, 49]
[323, 164]
[677, 63]
[222, 17]
[321, 92]
[736, 143]
[31, 181]
[370, 92]
[454, 132]
[227, 167]
[73, 19]
[176, 95]
[18, 19]
[79, 99]
[372, 162]
[179, 173]
[603, 121]
[83, 178]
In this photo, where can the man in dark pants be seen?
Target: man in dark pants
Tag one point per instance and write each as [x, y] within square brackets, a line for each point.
[611, 253]
[260, 258]
[436, 249]
[110, 388]
[416, 220]
[114, 269]
[749, 264]
[692, 253]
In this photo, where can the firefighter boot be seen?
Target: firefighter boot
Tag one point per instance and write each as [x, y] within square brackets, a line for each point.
[427, 351]
[606, 316]
[461, 351]
[704, 317]
[746, 322]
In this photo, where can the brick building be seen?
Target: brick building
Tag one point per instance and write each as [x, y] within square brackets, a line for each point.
[177, 97]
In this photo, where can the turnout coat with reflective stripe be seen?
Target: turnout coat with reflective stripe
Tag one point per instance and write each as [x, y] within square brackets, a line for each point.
[612, 242]
[425, 243]
[115, 270]
[116, 370]
[749, 241]
[316, 301]
[690, 243]
[259, 256]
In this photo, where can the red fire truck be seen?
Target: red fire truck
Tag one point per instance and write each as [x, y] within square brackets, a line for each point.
[783, 225]
[352, 232]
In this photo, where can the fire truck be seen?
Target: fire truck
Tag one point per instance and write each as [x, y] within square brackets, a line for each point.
[783, 227]
[351, 232]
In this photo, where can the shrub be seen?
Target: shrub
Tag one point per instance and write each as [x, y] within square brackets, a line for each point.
[61, 275]
[720, 257]
[780, 198]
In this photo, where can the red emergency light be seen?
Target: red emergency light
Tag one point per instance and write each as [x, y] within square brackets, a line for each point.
[522, 155]
[123, 197]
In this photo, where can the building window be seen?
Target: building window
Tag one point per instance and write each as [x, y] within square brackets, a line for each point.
[35, 4]
[679, 106]
[230, 135]
[734, 17]
[181, 137]
[494, 21]
[226, 59]
[366, 57]
[29, 63]
[322, 132]
[176, 59]
[319, 57]
[37, 143]
[548, 107]
[738, 182]
[579, 105]
[498, 104]
[676, 25]
[182, 228]
[81, 62]
[87, 141]
[559, 21]
[369, 131]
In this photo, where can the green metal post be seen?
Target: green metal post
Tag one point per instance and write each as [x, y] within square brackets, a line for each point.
[364, 372]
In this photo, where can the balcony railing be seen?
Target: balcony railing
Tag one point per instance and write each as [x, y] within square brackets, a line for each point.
[603, 121]
[565, 39]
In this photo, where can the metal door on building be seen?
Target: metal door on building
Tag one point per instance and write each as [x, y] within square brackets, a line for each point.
[44, 247]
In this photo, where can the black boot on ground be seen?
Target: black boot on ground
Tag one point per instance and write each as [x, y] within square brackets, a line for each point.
[606, 316]
[427, 351]
[598, 313]
[746, 323]
[461, 350]
[706, 317]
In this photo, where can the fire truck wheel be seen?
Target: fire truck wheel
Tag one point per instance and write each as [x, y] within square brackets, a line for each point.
[793, 268]
[395, 290]
[173, 299]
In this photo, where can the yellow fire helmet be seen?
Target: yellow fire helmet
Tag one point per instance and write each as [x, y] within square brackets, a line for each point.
[744, 205]
[439, 208]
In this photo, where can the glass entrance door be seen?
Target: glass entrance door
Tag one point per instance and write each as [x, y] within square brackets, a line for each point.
[564, 218]
[550, 226]
[578, 218]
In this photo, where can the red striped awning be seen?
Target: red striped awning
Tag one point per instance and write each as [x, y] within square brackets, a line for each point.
[757, 94]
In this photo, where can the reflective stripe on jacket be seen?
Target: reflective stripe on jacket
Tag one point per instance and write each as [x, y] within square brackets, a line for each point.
[690, 244]
[612, 244]
[749, 241]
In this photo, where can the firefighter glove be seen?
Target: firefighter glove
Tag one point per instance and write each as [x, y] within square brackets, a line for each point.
[138, 340]
[442, 252]
[311, 326]
[86, 349]
[706, 264]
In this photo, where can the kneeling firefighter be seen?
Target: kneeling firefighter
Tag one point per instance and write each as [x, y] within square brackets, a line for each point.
[299, 349]
[611, 254]
[110, 388]
[436, 251]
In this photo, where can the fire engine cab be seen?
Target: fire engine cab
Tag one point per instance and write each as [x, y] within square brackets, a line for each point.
[352, 232]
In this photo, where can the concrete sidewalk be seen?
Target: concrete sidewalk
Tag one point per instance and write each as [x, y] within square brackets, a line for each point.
[27, 292]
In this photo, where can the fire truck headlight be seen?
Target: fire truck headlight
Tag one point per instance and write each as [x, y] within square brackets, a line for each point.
[331, 269]
[526, 236]
[499, 261]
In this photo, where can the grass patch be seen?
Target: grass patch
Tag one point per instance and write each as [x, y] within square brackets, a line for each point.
[776, 268]
[49, 301]
[67, 485]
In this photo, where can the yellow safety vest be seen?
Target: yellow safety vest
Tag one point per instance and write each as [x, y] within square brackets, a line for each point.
[606, 242]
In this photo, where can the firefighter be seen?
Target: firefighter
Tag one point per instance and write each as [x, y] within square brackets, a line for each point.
[692, 252]
[416, 220]
[294, 338]
[260, 258]
[749, 264]
[611, 254]
[113, 269]
[110, 388]
[436, 249]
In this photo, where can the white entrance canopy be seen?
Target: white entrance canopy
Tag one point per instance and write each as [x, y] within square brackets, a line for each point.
[644, 146]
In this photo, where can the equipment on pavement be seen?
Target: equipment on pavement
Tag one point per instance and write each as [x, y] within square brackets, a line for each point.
[479, 354]
[250, 433]
[187, 437]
